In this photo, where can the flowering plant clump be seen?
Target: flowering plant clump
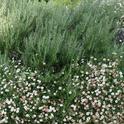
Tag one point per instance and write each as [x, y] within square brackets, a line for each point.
[24, 98]
[91, 92]
[100, 96]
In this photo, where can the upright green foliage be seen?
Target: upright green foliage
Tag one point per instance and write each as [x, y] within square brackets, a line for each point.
[3, 59]
[43, 32]
[67, 2]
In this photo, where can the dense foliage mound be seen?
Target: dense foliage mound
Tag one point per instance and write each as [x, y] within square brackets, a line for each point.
[61, 62]
[89, 92]
[38, 32]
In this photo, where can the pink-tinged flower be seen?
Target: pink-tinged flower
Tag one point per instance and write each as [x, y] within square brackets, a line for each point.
[45, 109]
[22, 98]
[84, 101]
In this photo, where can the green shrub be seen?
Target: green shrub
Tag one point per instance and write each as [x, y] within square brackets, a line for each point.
[41, 32]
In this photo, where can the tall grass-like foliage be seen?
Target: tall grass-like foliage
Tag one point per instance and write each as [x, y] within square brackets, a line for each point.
[69, 3]
[40, 32]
